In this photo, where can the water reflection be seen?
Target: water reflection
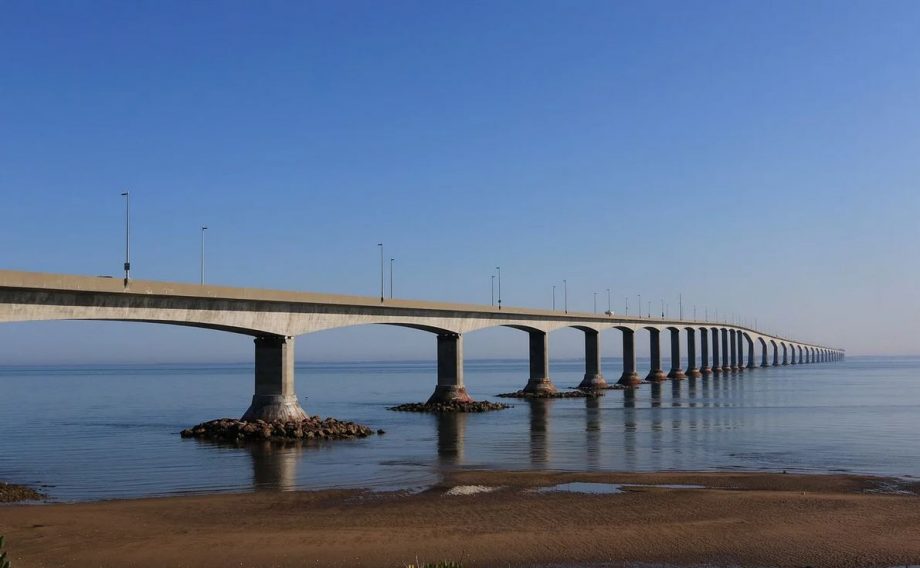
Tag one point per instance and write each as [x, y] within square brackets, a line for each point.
[592, 431]
[451, 437]
[539, 416]
[274, 466]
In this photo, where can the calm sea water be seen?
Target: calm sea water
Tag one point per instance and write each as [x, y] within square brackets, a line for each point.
[112, 432]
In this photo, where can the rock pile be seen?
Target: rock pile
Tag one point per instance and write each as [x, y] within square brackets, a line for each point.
[312, 428]
[10, 493]
[557, 394]
[439, 407]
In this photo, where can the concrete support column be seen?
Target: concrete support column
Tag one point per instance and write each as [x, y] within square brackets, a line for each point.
[716, 360]
[450, 370]
[676, 372]
[734, 350]
[750, 358]
[274, 397]
[775, 354]
[725, 350]
[692, 369]
[539, 381]
[740, 339]
[785, 354]
[704, 352]
[594, 379]
[794, 355]
[630, 377]
[655, 372]
[763, 353]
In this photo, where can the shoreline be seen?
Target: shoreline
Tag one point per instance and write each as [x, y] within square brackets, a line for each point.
[670, 518]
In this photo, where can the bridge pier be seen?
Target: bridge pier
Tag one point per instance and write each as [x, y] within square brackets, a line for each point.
[539, 381]
[630, 377]
[750, 358]
[692, 370]
[655, 373]
[725, 351]
[734, 350]
[716, 361]
[450, 370]
[785, 354]
[775, 354]
[676, 372]
[763, 353]
[274, 397]
[704, 352]
[593, 379]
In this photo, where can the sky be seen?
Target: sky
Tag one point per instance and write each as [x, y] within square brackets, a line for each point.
[755, 158]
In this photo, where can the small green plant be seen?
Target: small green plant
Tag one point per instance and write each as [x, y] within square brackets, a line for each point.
[4, 561]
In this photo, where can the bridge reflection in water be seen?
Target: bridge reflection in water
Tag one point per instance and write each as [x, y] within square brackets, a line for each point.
[661, 429]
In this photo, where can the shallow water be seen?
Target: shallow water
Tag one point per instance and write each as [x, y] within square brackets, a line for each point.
[110, 432]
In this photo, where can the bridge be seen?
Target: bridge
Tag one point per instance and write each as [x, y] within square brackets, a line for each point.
[274, 318]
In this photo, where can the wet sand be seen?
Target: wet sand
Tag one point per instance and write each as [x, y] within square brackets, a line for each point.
[747, 519]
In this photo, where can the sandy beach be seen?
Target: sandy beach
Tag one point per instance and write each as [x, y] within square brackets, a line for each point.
[747, 519]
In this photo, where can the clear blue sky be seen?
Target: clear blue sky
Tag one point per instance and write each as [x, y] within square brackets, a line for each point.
[759, 157]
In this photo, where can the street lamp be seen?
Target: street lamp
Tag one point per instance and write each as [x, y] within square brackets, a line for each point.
[626, 313]
[595, 302]
[554, 297]
[127, 235]
[681, 309]
[565, 295]
[639, 306]
[648, 309]
[391, 277]
[662, 308]
[381, 271]
[493, 290]
[609, 305]
[203, 229]
[499, 269]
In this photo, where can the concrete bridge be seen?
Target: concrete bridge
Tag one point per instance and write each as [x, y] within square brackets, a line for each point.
[274, 318]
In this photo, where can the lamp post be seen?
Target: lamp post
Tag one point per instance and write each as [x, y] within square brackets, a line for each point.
[662, 308]
[639, 306]
[493, 290]
[648, 309]
[680, 301]
[499, 269]
[595, 302]
[127, 236]
[609, 305]
[392, 260]
[565, 295]
[203, 229]
[381, 271]
[554, 297]
[626, 313]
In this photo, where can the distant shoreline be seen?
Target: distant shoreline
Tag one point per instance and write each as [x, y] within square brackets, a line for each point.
[722, 519]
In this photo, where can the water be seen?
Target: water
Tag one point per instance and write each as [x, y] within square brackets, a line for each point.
[112, 432]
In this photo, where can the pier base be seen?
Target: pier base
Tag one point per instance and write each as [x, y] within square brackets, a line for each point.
[274, 397]
[539, 382]
[629, 379]
[540, 386]
[593, 382]
[450, 370]
[656, 376]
